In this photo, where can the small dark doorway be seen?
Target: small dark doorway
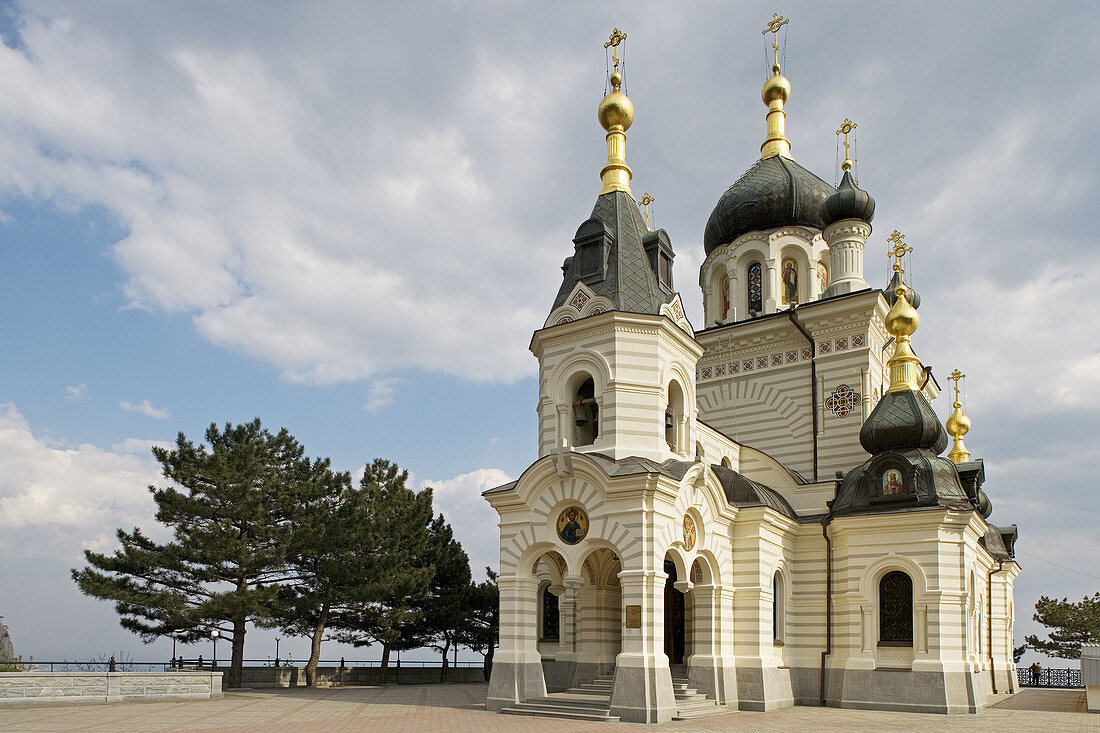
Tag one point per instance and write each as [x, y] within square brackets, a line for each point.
[674, 617]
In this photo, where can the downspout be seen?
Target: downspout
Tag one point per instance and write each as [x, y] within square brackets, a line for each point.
[828, 600]
[989, 621]
[813, 380]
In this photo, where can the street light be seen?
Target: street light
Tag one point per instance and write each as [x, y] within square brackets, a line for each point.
[174, 635]
[214, 636]
[277, 637]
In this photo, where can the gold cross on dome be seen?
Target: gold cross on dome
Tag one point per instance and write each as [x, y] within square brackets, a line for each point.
[955, 376]
[846, 127]
[613, 41]
[644, 203]
[777, 22]
[899, 250]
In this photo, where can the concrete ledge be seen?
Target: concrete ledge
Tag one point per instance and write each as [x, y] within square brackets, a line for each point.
[51, 688]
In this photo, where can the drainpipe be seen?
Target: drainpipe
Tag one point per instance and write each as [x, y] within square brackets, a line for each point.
[989, 621]
[828, 600]
[813, 380]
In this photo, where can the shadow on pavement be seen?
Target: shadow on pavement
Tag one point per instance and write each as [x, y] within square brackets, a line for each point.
[1053, 701]
[458, 696]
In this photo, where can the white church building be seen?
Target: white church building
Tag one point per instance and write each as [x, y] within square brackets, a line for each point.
[755, 514]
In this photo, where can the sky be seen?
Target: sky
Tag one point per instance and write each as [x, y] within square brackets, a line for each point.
[348, 218]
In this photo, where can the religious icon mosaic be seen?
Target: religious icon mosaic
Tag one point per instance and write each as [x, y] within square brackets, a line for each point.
[689, 532]
[572, 525]
[790, 282]
[891, 483]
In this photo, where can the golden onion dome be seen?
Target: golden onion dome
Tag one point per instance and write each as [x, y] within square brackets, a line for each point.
[616, 109]
[776, 87]
[903, 319]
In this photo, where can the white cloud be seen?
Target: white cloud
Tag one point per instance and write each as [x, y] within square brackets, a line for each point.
[77, 393]
[382, 392]
[145, 407]
[55, 500]
[473, 520]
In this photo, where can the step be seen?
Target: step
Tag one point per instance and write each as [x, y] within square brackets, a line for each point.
[560, 713]
[690, 697]
[571, 702]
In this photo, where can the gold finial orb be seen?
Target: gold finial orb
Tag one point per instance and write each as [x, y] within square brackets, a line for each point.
[958, 424]
[616, 111]
[776, 87]
[903, 319]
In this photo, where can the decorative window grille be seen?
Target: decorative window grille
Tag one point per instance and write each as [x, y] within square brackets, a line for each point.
[549, 614]
[895, 598]
[756, 291]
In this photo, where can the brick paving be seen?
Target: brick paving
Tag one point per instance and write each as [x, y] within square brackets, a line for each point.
[461, 708]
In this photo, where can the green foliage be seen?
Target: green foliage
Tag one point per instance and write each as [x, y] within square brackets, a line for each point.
[1071, 625]
[232, 529]
[357, 560]
[16, 665]
[480, 631]
[1018, 653]
[397, 565]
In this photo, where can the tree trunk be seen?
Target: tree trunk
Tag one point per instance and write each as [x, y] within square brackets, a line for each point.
[488, 667]
[384, 666]
[315, 645]
[237, 663]
[443, 669]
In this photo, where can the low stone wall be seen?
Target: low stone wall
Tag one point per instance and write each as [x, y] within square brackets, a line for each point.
[285, 676]
[60, 687]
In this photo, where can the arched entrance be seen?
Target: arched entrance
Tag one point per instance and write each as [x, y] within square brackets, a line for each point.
[674, 617]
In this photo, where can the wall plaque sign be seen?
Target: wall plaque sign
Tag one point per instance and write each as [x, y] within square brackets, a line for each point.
[633, 617]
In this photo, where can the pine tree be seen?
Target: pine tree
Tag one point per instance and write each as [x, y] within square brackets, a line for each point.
[1071, 624]
[480, 631]
[446, 609]
[357, 569]
[232, 528]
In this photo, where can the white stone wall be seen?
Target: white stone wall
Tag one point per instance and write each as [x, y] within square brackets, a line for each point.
[60, 687]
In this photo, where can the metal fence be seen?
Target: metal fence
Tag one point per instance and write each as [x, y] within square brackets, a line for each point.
[126, 665]
[1048, 677]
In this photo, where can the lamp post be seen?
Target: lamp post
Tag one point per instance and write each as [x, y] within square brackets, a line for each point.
[277, 637]
[214, 636]
[174, 634]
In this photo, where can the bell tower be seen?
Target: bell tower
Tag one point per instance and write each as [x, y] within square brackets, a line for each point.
[617, 356]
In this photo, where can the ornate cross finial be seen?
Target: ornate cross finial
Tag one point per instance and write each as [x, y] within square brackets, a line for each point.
[955, 376]
[644, 203]
[777, 22]
[613, 41]
[899, 250]
[846, 127]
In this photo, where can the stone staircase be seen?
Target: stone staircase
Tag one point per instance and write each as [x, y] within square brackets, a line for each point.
[588, 701]
[592, 701]
[690, 703]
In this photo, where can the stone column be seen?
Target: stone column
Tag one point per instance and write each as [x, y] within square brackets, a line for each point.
[709, 669]
[642, 692]
[731, 314]
[770, 286]
[517, 665]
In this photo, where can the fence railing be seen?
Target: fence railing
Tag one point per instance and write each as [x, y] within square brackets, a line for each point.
[126, 665]
[1049, 677]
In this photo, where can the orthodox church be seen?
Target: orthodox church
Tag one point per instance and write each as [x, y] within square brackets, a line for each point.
[755, 514]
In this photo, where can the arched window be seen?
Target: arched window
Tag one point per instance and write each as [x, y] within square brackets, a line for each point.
[549, 631]
[895, 609]
[778, 610]
[586, 414]
[756, 289]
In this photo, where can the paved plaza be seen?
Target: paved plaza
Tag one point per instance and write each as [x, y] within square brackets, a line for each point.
[460, 708]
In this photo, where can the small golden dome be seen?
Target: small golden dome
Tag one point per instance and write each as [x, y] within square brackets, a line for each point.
[615, 110]
[958, 424]
[903, 319]
[776, 87]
